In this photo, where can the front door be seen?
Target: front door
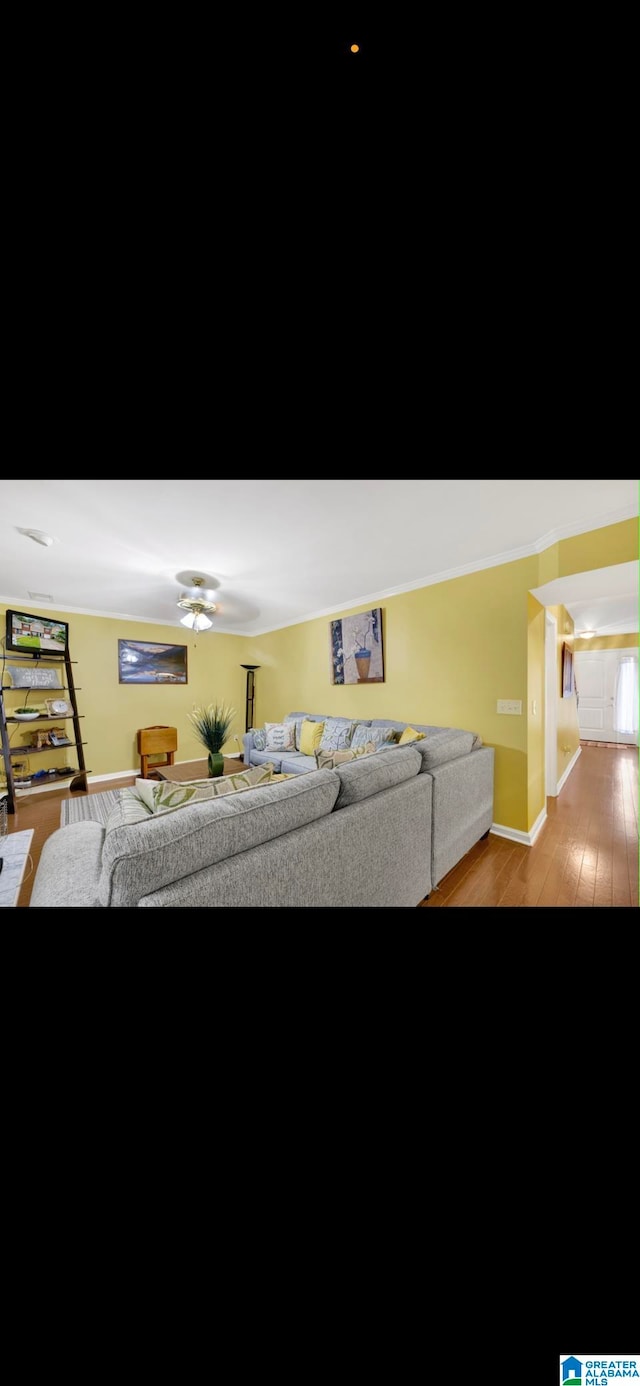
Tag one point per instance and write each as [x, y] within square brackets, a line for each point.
[596, 674]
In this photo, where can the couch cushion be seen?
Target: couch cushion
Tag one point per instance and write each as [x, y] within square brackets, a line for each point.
[261, 758]
[293, 763]
[281, 736]
[69, 867]
[140, 858]
[410, 734]
[260, 739]
[311, 716]
[446, 744]
[337, 734]
[374, 773]
[440, 744]
[166, 797]
[310, 736]
[327, 760]
[363, 735]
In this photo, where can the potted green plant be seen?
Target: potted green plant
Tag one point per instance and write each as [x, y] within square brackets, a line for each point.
[25, 713]
[212, 725]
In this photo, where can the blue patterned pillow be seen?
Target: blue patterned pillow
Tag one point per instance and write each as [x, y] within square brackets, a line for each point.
[260, 740]
[337, 734]
[362, 735]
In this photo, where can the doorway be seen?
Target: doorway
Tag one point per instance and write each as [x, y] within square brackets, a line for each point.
[598, 674]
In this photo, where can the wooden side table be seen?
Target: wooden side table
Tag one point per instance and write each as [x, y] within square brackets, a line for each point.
[156, 741]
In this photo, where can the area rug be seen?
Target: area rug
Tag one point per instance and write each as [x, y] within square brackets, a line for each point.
[95, 806]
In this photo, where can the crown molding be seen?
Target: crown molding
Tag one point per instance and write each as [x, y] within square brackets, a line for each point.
[496, 560]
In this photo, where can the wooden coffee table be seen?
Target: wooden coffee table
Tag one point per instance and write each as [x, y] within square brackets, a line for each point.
[196, 770]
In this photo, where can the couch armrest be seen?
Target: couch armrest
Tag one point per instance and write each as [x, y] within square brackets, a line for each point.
[69, 867]
[462, 808]
[247, 742]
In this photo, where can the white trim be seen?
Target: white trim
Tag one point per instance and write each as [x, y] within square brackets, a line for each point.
[514, 834]
[550, 705]
[612, 517]
[563, 778]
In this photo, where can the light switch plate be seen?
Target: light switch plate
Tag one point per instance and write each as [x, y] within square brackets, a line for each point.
[512, 706]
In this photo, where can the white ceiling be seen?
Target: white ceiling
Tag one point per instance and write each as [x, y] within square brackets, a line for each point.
[276, 552]
[604, 600]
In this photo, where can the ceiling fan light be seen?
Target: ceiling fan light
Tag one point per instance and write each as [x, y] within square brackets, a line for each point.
[196, 604]
[196, 620]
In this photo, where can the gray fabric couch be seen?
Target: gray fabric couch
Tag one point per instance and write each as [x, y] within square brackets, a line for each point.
[461, 770]
[358, 835]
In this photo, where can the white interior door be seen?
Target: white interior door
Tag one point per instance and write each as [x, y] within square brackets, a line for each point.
[596, 673]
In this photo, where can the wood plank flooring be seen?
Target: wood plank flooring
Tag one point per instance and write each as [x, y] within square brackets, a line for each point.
[42, 813]
[586, 854]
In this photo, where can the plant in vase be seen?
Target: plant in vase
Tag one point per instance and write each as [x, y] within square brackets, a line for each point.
[362, 651]
[212, 725]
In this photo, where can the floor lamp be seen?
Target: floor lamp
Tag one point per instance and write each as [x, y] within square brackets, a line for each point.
[250, 694]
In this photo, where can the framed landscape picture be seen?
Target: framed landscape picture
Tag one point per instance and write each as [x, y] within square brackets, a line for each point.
[356, 648]
[145, 661]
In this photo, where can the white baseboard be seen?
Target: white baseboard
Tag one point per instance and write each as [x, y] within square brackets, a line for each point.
[563, 780]
[514, 834]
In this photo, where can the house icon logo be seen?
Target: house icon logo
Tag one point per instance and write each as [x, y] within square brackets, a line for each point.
[572, 1371]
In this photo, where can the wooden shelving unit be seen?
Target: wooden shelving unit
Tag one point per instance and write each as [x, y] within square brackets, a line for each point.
[10, 753]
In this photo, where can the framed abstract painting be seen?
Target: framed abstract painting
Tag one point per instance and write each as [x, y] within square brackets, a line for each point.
[357, 654]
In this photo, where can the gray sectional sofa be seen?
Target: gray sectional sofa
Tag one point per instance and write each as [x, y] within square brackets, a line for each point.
[461, 770]
[358, 835]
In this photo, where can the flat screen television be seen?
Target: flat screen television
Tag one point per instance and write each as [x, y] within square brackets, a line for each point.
[37, 635]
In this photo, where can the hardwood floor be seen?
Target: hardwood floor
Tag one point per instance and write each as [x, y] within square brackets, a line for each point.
[586, 854]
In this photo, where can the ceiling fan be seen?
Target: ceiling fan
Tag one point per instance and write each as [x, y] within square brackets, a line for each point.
[198, 604]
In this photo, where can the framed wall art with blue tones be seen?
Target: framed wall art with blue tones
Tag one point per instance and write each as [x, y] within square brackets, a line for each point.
[146, 661]
[357, 654]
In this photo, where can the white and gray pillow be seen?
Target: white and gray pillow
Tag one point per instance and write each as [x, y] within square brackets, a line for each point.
[297, 723]
[337, 734]
[379, 735]
[281, 736]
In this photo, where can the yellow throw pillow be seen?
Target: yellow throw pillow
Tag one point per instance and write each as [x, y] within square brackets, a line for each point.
[410, 735]
[310, 737]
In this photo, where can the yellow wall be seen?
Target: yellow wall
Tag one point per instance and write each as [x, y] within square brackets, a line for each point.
[599, 548]
[113, 712]
[536, 791]
[567, 708]
[608, 642]
[451, 650]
